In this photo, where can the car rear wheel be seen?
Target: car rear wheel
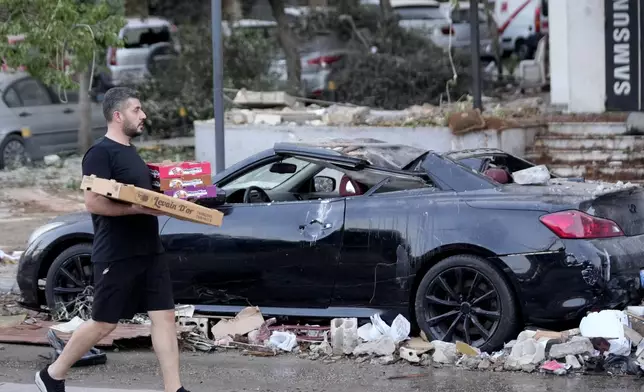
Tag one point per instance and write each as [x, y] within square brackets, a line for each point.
[69, 287]
[12, 152]
[464, 298]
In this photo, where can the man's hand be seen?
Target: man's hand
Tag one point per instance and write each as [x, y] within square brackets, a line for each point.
[145, 210]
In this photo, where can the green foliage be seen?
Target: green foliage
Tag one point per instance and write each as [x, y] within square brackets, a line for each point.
[188, 83]
[51, 27]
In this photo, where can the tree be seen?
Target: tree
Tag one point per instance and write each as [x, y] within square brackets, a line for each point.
[61, 38]
[289, 44]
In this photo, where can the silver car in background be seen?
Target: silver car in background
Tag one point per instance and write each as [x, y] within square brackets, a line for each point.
[35, 120]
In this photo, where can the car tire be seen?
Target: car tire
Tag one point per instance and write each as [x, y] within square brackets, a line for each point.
[10, 140]
[436, 315]
[67, 258]
[522, 50]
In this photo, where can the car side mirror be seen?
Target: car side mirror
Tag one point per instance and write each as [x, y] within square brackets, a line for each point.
[324, 184]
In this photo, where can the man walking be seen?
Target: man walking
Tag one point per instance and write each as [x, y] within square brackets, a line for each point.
[130, 275]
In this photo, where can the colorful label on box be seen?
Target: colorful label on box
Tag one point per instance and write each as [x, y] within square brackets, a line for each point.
[193, 192]
[178, 169]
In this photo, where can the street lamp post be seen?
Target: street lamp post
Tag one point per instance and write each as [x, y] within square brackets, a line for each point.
[476, 54]
[218, 83]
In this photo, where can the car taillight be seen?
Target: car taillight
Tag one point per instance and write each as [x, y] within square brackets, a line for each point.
[324, 60]
[537, 20]
[448, 30]
[579, 225]
[112, 52]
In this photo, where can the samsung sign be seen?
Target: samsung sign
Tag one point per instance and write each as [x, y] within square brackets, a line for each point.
[624, 55]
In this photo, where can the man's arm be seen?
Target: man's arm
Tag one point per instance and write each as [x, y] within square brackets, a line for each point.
[97, 162]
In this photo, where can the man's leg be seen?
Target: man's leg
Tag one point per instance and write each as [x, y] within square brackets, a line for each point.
[160, 306]
[112, 292]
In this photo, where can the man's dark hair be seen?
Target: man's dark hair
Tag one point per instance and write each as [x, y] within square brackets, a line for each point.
[115, 98]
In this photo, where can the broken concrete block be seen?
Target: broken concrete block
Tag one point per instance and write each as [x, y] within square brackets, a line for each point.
[537, 175]
[444, 352]
[266, 118]
[576, 346]
[419, 345]
[572, 361]
[381, 347]
[264, 99]
[425, 360]
[386, 360]
[525, 352]
[51, 160]
[632, 335]
[470, 362]
[485, 364]
[410, 355]
[345, 115]
[344, 335]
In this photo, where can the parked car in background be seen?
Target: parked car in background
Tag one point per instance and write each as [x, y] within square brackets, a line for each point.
[147, 43]
[461, 251]
[35, 120]
[521, 25]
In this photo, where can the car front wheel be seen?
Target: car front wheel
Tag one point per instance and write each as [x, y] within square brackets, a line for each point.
[69, 287]
[464, 298]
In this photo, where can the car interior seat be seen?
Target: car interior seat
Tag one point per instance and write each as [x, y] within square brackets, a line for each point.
[499, 175]
[349, 187]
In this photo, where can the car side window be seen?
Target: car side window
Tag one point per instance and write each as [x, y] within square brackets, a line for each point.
[265, 176]
[32, 93]
[11, 98]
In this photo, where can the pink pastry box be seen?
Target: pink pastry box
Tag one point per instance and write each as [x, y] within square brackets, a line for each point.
[193, 192]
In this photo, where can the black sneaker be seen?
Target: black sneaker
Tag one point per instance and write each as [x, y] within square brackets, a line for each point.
[182, 389]
[47, 384]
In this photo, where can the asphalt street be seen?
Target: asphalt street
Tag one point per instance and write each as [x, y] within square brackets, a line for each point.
[231, 371]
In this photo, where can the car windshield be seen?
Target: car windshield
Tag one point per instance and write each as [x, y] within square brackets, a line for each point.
[262, 177]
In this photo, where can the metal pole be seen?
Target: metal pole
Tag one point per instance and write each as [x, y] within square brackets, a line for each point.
[218, 82]
[476, 54]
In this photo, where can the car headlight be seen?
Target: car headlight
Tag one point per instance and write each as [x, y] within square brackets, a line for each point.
[42, 230]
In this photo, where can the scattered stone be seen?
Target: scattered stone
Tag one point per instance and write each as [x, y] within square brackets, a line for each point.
[537, 175]
[314, 356]
[573, 362]
[485, 364]
[444, 352]
[323, 348]
[470, 362]
[51, 160]
[576, 346]
[363, 359]
[345, 115]
[528, 368]
[526, 352]
[381, 347]
[386, 360]
[328, 361]
[410, 355]
[419, 345]
[425, 360]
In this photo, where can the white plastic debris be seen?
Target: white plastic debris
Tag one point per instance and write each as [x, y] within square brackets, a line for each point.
[536, 175]
[70, 326]
[283, 340]
[13, 258]
[398, 331]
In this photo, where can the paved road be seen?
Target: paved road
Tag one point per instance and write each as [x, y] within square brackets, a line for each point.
[231, 371]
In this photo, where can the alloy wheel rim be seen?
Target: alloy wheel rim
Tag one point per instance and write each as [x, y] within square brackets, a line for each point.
[462, 304]
[72, 280]
[13, 154]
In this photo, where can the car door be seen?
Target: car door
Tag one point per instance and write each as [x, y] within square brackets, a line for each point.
[278, 254]
[46, 119]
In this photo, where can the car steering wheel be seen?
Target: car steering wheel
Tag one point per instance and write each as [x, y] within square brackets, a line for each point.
[262, 194]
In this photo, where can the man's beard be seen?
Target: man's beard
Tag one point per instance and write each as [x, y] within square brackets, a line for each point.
[131, 130]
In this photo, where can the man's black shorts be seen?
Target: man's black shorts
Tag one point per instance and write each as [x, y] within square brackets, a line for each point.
[126, 287]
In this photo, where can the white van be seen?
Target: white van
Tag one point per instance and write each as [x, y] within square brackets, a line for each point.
[521, 25]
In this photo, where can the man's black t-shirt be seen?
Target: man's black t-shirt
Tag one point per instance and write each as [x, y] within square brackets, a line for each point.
[121, 237]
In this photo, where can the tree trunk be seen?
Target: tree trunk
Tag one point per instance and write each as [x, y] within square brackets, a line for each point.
[496, 44]
[289, 45]
[385, 9]
[85, 111]
[136, 8]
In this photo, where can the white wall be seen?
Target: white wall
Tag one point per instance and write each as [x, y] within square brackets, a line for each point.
[241, 141]
[577, 54]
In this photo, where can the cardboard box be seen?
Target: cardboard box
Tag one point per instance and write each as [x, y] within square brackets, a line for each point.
[177, 208]
[169, 169]
[166, 184]
[193, 192]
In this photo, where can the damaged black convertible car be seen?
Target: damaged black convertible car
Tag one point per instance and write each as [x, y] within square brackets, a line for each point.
[350, 230]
